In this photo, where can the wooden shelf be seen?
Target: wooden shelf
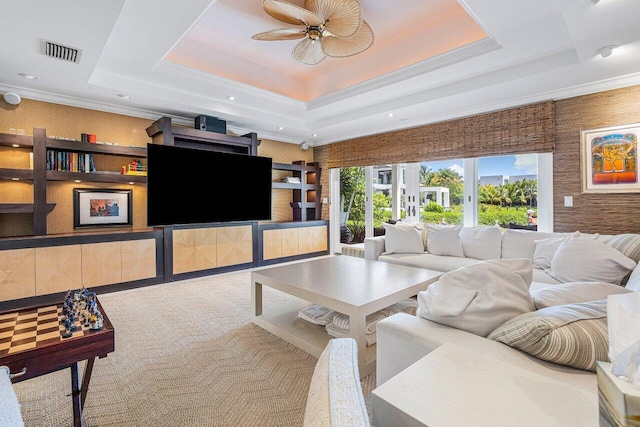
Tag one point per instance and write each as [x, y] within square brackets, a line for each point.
[23, 207]
[292, 186]
[86, 147]
[306, 194]
[26, 174]
[94, 177]
[8, 140]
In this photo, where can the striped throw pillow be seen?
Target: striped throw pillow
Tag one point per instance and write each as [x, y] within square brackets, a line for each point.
[574, 335]
[629, 245]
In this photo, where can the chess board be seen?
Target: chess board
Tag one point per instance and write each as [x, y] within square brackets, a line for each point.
[23, 330]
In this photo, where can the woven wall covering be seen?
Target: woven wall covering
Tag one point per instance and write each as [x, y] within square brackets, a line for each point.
[518, 130]
[602, 213]
[545, 127]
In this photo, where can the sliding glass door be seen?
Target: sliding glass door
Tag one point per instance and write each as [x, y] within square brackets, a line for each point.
[515, 190]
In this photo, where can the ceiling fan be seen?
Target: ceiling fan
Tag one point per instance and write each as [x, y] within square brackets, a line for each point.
[333, 28]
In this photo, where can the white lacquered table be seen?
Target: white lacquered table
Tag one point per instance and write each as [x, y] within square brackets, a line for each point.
[456, 387]
[353, 286]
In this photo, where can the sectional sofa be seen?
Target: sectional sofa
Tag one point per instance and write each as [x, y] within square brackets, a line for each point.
[572, 274]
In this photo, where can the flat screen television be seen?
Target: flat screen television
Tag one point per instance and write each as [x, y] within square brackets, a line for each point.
[192, 186]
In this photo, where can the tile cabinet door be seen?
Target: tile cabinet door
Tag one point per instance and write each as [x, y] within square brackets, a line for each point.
[320, 238]
[271, 244]
[285, 242]
[101, 264]
[194, 249]
[234, 245]
[17, 273]
[138, 259]
[58, 269]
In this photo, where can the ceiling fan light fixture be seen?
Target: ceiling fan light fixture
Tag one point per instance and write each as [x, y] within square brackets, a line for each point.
[337, 26]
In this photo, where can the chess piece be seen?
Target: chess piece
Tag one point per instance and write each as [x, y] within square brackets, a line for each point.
[67, 326]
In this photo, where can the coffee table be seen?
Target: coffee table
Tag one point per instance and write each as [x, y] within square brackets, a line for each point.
[353, 286]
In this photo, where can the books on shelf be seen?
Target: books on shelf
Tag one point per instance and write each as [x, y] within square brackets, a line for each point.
[291, 180]
[67, 161]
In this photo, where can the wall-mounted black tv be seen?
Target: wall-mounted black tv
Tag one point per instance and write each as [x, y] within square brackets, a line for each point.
[192, 186]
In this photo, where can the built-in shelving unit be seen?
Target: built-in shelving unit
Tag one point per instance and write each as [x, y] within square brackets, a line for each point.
[38, 144]
[307, 200]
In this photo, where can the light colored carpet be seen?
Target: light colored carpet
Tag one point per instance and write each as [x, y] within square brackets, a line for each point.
[186, 354]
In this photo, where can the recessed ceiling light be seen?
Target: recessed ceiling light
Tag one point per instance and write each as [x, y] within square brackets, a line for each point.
[606, 51]
[315, 135]
[390, 115]
[27, 76]
[124, 96]
[280, 128]
[231, 98]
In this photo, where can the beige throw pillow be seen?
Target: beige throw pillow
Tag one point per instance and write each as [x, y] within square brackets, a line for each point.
[545, 249]
[480, 297]
[483, 242]
[444, 240]
[573, 335]
[402, 239]
[588, 260]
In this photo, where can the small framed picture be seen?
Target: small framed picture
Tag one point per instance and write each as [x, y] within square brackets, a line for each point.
[101, 208]
[610, 159]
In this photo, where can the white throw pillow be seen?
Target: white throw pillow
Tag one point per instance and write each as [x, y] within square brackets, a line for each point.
[484, 242]
[546, 249]
[402, 239]
[444, 240]
[574, 292]
[420, 227]
[480, 297]
[588, 260]
[520, 243]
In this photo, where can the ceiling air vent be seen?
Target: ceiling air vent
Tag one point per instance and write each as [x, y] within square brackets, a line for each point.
[58, 51]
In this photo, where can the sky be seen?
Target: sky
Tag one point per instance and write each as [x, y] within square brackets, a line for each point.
[524, 164]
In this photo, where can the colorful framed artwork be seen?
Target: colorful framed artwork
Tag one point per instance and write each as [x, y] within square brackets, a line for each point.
[101, 208]
[610, 159]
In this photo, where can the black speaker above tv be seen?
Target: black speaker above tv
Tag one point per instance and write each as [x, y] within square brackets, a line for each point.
[210, 124]
[192, 186]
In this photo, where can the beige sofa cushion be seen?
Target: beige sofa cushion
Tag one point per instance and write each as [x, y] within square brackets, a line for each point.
[574, 292]
[429, 261]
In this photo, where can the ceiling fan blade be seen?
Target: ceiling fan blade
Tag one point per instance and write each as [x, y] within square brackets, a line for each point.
[280, 34]
[308, 52]
[339, 47]
[290, 13]
[342, 17]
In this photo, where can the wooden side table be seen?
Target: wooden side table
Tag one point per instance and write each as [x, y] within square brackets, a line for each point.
[31, 345]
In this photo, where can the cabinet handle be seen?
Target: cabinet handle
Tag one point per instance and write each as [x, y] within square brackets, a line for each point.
[18, 374]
